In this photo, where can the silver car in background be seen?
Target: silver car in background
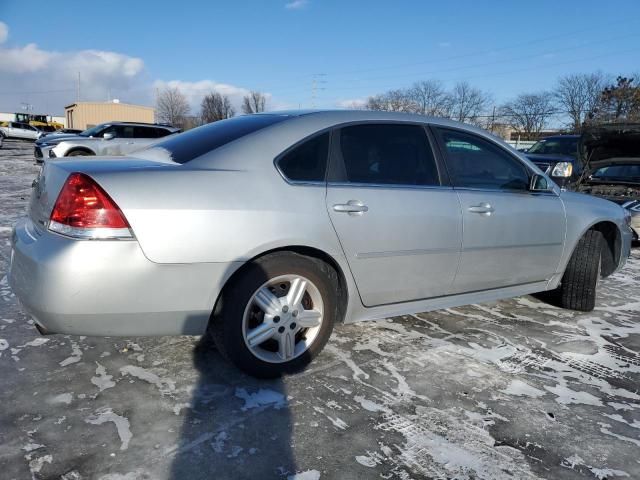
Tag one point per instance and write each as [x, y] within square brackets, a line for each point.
[113, 138]
[22, 131]
[266, 230]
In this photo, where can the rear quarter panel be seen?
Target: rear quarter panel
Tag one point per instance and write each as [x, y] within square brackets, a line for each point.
[222, 213]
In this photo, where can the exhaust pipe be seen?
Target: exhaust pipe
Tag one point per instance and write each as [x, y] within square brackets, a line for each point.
[42, 330]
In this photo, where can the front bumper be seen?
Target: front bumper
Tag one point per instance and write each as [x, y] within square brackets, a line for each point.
[109, 288]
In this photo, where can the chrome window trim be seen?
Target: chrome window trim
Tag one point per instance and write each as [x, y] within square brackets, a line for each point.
[506, 192]
[389, 185]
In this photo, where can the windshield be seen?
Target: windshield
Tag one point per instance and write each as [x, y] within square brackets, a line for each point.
[93, 131]
[618, 173]
[556, 146]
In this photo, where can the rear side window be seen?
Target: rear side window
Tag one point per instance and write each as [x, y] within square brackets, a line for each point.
[477, 163]
[306, 162]
[391, 154]
[144, 132]
[191, 144]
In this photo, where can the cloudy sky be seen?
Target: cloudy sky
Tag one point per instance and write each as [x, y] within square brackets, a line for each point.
[302, 53]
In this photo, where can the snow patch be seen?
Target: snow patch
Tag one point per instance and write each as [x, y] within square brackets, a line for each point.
[102, 380]
[306, 475]
[261, 398]
[165, 386]
[76, 355]
[65, 398]
[104, 415]
[522, 389]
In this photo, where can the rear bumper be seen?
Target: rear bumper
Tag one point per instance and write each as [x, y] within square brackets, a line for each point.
[109, 288]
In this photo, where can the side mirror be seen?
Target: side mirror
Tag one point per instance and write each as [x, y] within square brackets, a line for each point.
[108, 136]
[539, 183]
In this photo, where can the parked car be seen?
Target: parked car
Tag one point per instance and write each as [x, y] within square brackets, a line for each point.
[61, 131]
[113, 138]
[613, 167]
[558, 156]
[265, 230]
[23, 131]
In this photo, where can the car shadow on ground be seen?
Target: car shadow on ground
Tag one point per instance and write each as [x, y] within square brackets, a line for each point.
[220, 439]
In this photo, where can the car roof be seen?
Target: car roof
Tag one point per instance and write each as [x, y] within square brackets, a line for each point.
[555, 137]
[338, 116]
[158, 125]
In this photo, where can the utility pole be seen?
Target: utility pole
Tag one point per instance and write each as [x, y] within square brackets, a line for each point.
[316, 80]
[78, 93]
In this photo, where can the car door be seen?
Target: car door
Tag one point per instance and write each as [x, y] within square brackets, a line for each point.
[16, 130]
[122, 136]
[512, 236]
[397, 219]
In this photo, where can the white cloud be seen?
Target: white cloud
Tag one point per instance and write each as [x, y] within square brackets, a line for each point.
[48, 79]
[4, 32]
[296, 4]
[352, 103]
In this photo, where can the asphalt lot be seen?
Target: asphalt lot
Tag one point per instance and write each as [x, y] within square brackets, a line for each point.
[511, 389]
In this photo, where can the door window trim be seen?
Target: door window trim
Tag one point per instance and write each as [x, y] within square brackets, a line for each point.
[335, 154]
[443, 151]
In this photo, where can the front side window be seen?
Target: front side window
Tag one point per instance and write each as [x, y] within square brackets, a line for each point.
[474, 162]
[387, 154]
[620, 173]
[306, 162]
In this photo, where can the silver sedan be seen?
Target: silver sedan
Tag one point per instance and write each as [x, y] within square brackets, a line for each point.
[266, 230]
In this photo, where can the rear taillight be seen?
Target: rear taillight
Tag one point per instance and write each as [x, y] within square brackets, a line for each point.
[84, 210]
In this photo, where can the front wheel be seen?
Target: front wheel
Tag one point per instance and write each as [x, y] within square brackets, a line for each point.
[78, 153]
[277, 315]
[577, 290]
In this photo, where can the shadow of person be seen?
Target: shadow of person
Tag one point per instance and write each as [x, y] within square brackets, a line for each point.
[236, 426]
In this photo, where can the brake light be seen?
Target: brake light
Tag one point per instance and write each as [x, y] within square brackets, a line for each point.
[84, 210]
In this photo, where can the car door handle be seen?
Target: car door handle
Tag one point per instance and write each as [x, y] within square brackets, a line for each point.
[482, 209]
[352, 207]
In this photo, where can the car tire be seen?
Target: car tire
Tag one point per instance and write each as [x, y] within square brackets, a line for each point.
[78, 153]
[577, 289]
[237, 315]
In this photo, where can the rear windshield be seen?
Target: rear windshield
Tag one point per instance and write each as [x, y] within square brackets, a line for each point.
[191, 144]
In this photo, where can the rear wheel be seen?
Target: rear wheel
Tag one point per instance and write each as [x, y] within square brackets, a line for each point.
[277, 315]
[577, 290]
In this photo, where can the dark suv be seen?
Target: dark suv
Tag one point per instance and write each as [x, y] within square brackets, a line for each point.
[558, 157]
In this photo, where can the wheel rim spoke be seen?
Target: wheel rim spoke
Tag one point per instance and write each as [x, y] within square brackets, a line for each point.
[260, 334]
[296, 291]
[309, 318]
[267, 301]
[286, 345]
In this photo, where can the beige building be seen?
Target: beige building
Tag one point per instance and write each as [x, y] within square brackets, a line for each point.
[83, 115]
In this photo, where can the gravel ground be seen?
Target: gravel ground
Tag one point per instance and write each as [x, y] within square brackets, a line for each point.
[511, 389]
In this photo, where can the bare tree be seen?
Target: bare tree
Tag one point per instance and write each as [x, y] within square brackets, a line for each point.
[429, 98]
[529, 113]
[579, 95]
[216, 106]
[620, 102]
[172, 107]
[467, 103]
[392, 101]
[254, 102]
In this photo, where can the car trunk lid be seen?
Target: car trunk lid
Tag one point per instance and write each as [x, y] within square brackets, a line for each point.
[52, 177]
